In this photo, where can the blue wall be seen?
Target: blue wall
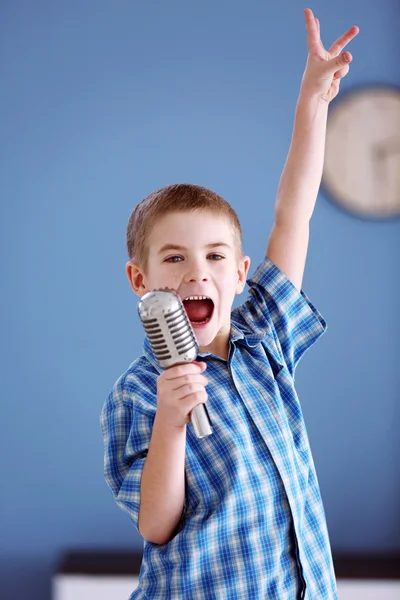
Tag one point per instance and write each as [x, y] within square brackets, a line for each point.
[101, 103]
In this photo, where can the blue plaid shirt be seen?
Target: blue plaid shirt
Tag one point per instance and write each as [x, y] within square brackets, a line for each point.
[253, 525]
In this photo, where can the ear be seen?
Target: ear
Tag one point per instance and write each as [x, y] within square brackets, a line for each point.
[243, 269]
[135, 278]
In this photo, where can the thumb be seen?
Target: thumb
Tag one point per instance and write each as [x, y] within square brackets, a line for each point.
[338, 62]
[201, 364]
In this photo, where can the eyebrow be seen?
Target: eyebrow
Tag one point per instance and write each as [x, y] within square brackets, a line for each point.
[176, 247]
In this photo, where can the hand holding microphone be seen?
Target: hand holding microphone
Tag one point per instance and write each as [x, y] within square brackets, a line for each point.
[181, 390]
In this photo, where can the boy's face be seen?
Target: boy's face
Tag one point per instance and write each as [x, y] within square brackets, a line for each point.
[196, 269]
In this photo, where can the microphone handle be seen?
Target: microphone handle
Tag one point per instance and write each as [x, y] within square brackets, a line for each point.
[201, 421]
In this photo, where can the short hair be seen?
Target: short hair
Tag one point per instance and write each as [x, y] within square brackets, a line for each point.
[177, 197]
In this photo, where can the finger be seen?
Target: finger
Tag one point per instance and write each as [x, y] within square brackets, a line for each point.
[344, 39]
[188, 390]
[200, 363]
[342, 72]
[312, 28]
[335, 88]
[195, 384]
[175, 372]
[335, 64]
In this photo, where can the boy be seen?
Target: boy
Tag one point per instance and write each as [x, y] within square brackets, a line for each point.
[237, 514]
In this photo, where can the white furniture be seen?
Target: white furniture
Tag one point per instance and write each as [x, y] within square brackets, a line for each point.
[81, 587]
[96, 575]
[93, 587]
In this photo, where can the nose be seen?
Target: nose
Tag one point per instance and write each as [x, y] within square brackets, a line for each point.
[196, 271]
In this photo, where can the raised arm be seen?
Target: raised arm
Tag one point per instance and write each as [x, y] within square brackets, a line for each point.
[301, 177]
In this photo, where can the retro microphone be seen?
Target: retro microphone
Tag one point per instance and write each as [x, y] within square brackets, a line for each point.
[173, 341]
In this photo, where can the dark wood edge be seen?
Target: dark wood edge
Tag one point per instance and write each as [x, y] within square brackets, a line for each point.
[367, 566]
[100, 562]
[125, 562]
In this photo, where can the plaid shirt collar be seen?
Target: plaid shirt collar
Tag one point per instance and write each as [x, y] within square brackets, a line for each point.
[246, 337]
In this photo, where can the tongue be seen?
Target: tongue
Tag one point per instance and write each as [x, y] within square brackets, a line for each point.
[198, 310]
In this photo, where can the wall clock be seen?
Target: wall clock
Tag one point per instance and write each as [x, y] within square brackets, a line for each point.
[362, 155]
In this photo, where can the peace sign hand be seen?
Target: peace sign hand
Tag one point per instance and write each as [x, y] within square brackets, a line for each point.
[325, 68]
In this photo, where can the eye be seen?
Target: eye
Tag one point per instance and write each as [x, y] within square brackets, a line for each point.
[217, 255]
[170, 259]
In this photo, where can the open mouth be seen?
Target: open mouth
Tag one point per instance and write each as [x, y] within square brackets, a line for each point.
[199, 312]
[202, 323]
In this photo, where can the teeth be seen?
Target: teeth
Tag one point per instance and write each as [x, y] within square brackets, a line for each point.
[197, 298]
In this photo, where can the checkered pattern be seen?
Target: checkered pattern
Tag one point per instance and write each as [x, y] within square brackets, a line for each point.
[253, 525]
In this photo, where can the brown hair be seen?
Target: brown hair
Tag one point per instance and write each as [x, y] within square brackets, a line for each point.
[177, 197]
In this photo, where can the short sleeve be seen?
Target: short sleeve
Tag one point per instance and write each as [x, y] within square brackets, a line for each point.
[126, 423]
[276, 303]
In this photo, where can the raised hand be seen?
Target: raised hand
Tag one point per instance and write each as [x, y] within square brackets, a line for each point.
[325, 68]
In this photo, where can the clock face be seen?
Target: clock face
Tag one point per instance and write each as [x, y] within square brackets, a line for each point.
[362, 155]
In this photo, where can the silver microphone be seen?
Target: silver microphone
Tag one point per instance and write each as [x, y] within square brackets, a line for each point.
[173, 341]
